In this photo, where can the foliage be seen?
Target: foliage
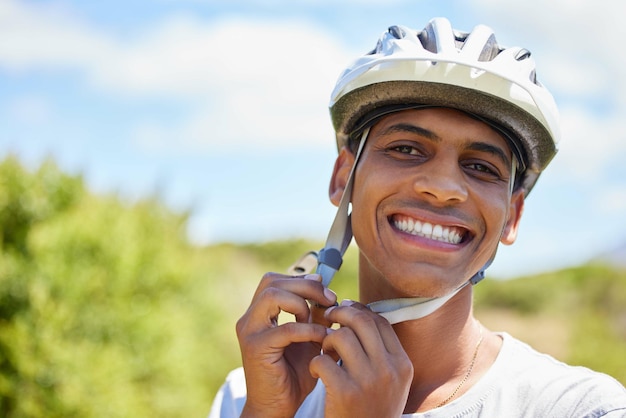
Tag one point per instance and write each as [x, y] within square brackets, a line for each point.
[589, 301]
[107, 310]
[103, 305]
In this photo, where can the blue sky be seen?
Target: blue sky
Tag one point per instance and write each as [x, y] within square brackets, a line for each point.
[220, 107]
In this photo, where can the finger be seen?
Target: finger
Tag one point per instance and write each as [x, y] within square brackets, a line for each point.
[279, 292]
[386, 331]
[318, 313]
[268, 347]
[294, 332]
[326, 368]
[308, 286]
[366, 326]
[264, 311]
[343, 343]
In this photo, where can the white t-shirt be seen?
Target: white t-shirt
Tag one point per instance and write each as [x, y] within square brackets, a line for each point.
[520, 383]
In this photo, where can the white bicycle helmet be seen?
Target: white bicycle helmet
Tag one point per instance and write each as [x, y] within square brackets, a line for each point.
[439, 67]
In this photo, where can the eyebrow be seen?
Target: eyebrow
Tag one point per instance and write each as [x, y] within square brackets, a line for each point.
[406, 127]
[491, 149]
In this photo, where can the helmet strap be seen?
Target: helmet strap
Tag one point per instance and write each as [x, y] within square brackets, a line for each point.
[331, 256]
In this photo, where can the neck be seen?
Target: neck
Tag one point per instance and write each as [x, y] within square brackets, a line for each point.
[442, 346]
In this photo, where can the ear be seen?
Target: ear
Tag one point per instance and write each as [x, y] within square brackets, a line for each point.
[509, 234]
[341, 172]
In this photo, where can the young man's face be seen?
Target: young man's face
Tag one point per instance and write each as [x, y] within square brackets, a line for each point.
[431, 200]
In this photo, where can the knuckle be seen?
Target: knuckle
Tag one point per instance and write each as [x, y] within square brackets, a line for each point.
[267, 278]
[271, 293]
[404, 368]
[334, 339]
[407, 371]
[365, 318]
[241, 324]
[341, 333]
[387, 374]
[239, 327]
[290, 328]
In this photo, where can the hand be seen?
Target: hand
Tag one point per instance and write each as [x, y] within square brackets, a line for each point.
[276, 357]
[375, 374]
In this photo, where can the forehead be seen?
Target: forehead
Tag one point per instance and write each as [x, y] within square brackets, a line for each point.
[441, 125]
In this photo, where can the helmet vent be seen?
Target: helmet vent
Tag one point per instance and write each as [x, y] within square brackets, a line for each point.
[377, 50]
[522, 55]
[428, 40]
[459, 38]
[490, 50]
[397, 32]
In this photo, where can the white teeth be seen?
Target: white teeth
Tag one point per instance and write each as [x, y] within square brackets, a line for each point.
[428, 230]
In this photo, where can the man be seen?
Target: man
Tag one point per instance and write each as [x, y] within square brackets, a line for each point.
[441, 136]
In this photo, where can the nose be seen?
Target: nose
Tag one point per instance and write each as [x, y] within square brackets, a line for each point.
[441, 181]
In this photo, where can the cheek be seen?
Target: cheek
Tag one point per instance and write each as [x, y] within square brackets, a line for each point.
[496, 216]
[371, 188]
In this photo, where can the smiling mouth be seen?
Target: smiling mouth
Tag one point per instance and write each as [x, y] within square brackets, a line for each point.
[447, 234]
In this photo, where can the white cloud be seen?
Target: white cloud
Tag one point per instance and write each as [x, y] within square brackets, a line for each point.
[256, 82]
[181, 56]
[185, 56]
[247, 80]
[263, 83]
[47, 36]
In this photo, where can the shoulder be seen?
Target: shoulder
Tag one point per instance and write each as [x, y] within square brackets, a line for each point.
[543, 385]
[231, 397]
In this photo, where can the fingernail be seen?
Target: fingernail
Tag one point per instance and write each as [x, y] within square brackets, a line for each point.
[347, 302]
[330, 295]
[314, 277]
[329, 331]
[328, 311]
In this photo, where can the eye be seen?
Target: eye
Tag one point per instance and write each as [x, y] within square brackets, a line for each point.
[483, 170]
[405, 149]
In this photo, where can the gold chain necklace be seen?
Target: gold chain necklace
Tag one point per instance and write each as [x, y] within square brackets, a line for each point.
[469, 371]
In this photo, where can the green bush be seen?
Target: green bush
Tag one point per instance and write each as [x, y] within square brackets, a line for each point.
[589, 301]
[106, 308]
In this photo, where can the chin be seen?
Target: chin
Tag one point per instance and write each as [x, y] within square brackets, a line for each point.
[429, 284]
